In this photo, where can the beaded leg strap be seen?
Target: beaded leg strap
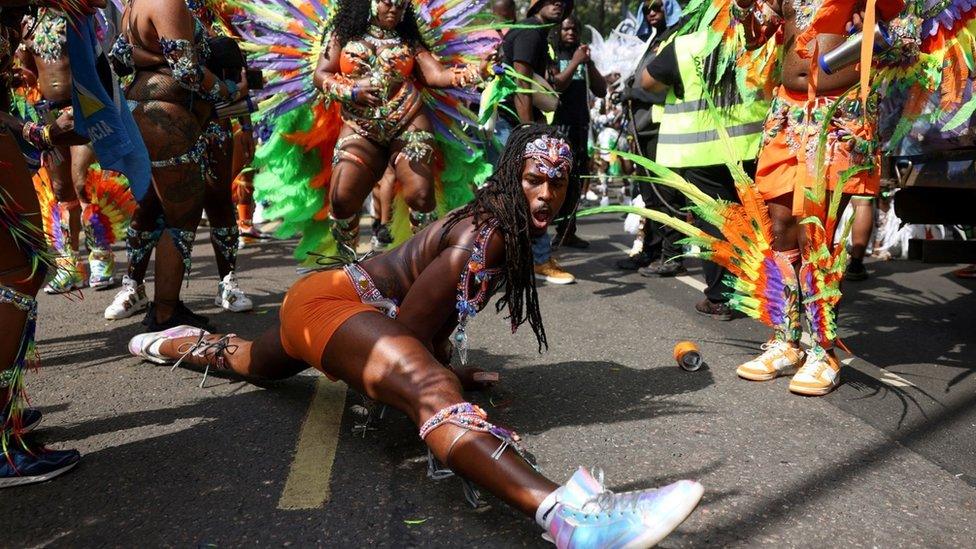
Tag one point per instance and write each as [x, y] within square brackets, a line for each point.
[12, 377]
[346, 232]
[419, 220]
[183, 240]
[213, 352]
[340, 153]
[139, 244]
[470, 418]
[227, 240]
[417, 146]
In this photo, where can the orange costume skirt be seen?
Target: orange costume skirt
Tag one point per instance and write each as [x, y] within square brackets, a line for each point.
[788, 159]
[313, 309]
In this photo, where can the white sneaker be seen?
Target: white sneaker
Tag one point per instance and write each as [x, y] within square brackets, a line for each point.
[130, 300]
[779, 358]
[819, 375]
[231, 297]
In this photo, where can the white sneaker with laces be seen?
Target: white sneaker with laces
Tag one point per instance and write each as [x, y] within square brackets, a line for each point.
[130, 300]
[231, 297]
[819, 375]
[779, 358]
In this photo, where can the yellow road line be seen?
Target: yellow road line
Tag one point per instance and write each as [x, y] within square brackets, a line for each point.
[309, 480]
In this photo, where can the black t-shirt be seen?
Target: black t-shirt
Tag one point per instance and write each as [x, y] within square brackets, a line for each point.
[574, 105]
[664, 69]
[529, 46]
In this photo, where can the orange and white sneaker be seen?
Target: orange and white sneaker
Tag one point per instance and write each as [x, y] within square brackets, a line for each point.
[551, 272]
[819, 375]
[779, 358]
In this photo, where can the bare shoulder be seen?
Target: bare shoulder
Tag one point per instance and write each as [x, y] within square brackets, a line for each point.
[495, 249]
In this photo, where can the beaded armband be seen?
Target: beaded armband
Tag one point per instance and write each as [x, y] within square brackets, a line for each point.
[181, 58]
[38, 135]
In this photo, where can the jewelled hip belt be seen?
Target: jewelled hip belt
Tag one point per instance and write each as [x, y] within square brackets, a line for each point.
[368, 293]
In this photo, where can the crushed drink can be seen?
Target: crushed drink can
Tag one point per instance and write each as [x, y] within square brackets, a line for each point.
[688, 357]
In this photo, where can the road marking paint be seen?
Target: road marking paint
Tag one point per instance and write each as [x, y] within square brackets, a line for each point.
[309, 481]
[693, 282]
[895, 380]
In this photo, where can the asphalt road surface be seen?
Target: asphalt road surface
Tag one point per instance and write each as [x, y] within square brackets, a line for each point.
[887, 460]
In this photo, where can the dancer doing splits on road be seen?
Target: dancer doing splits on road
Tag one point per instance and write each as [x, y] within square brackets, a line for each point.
[342, 322]
[172, 95]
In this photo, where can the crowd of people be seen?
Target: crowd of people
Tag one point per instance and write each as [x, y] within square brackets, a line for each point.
[466, 142]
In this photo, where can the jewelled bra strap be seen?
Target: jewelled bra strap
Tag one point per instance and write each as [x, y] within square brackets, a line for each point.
[476, 269]
[369, 294]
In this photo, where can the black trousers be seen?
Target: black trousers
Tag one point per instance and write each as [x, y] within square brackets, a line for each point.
[660, 241]
[717, 182]
[578, 137]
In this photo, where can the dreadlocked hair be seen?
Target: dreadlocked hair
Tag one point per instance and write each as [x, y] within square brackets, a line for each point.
[502, 199]
[352, 22]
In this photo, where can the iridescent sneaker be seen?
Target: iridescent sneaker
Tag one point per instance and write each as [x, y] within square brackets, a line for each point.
[146, 346]
[130, 300]
[231, 297]
[69, 277]
[101, 267]
[819, 375]
[779, 358]
[588, 515]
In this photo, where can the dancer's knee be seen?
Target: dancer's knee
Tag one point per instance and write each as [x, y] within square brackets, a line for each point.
[421, 199]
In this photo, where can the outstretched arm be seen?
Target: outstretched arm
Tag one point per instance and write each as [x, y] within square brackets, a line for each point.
[433, 74]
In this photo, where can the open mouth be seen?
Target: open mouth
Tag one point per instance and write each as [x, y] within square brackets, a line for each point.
[541, 219]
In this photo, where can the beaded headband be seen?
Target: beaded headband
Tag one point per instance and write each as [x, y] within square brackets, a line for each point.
[553, 156]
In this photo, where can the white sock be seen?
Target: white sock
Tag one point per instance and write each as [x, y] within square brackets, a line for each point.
[544, 514]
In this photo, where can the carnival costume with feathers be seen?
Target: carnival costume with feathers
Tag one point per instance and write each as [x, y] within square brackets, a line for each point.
[300, 127]
[933, 67]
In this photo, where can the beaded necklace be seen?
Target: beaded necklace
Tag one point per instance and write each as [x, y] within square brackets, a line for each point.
[379, 37]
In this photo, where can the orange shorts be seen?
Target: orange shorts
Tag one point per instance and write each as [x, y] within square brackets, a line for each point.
[788, 159]
[313, 310]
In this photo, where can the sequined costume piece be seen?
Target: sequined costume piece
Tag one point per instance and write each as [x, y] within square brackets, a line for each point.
[474, 288]
[50, 35]
[388, 62]
[418, 146]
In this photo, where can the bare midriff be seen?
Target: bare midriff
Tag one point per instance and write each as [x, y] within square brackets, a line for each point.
[797, 71]
[54, 79]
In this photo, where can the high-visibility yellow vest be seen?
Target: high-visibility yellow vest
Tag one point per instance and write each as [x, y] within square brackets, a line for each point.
[688, 136]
